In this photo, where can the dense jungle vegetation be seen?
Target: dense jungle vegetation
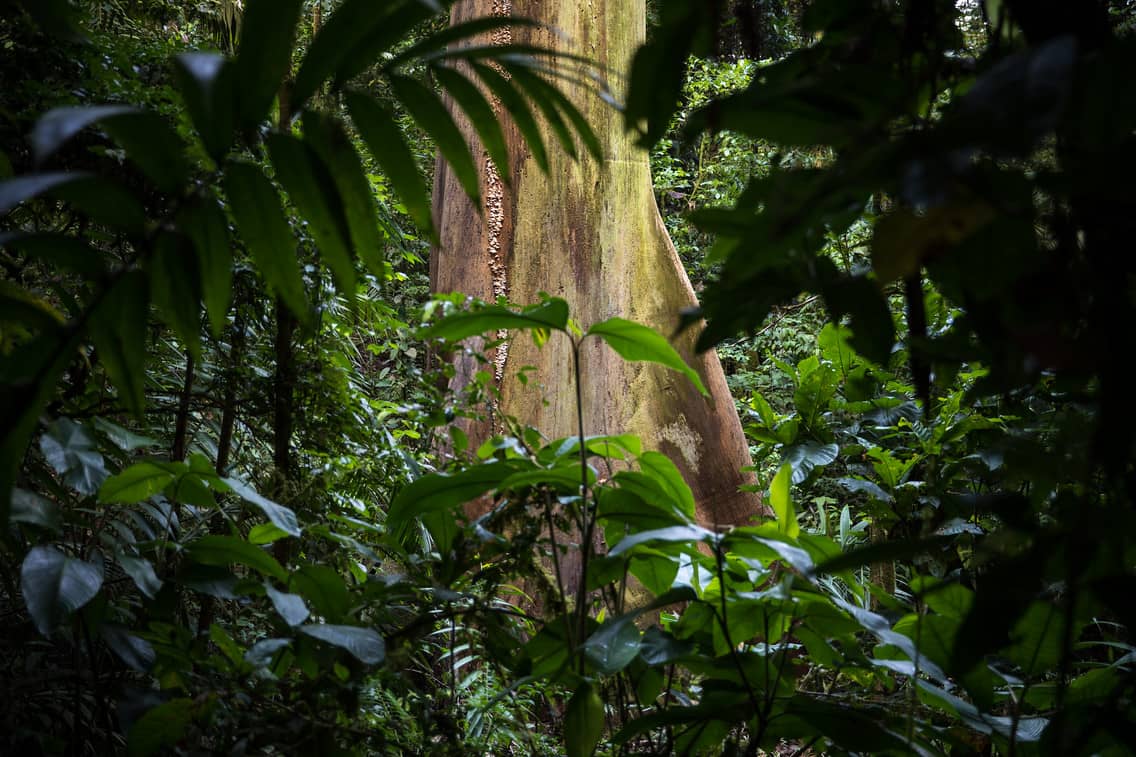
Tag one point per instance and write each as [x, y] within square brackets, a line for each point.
[231, 488]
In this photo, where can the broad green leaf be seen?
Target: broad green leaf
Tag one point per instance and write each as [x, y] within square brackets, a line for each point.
[256, 206]
[782, 502]
[206, 81]
[134, 651]
[659, 467]
[670, 534]
[365, 644]
[480, 114]
[514, 103]
[313, 192]
[204, 222]
[633, 341]
[430, 113]
[803, 457]
[659, 647]
[141, 571]
[23, 188]
[479, 319]
[613, 646]
[163, 726]
[72, 453]
[279, 515]
[145, 136]
[59, 125]
[125, 439]
[261, 654]
[387, 146]
[583, 721]
[55, 585]
[324, 589]
[176, 289]
[265, 533]
[290, 606]
[118, 329]
[31, 508]
[656, 570]
[566, 477]
[329, 140]
[227, 550]
[265, 54]
[138, 482]
[439, 491]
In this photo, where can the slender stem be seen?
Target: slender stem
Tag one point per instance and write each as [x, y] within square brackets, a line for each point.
[587, 520]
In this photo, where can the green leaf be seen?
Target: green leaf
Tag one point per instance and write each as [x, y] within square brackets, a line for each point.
[163, 726]
[583, 721]
[324, 589]
[134, 651]
[480, 114]
[803, 457]
[71, 452]
[265, 533]
[659, 467]
[613, 646]
[206, 81]
[436, 43]
[204, 222]
[138, 482]
[279, 515]
[261, 654]
[387, 146]
[262, 223]
[102, 199]
[329, 140]
[312, 190]
[145, 136]
[125, 439]
[290, 606]
[176, 289]
[479, 319]
[141, 571]
[430, 113]
[633, 341]
[118, 329]
[440, 491]
[31, 508]
[55, 585]
[514, 103]
[227, 550]
[365, 644]
[782, 502]
[265, 54]
[670, 535]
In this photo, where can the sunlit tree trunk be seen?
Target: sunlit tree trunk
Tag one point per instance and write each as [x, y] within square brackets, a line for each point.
[590, 233]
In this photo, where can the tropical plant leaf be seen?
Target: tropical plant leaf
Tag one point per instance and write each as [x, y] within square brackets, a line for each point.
[280, 516]
[264, 55]
[633, 341]
[310, 186]
[260, 217]
[551, 314]
[55, 585]
[430, 113]
[387, 146]
[365, 644]
[227, 550]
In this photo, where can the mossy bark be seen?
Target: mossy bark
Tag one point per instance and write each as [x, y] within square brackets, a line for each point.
[590, 233]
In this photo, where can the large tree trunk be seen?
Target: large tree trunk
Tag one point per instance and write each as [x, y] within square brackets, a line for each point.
[589, 233]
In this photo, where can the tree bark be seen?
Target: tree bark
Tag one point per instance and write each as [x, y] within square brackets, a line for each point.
[590, 233]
